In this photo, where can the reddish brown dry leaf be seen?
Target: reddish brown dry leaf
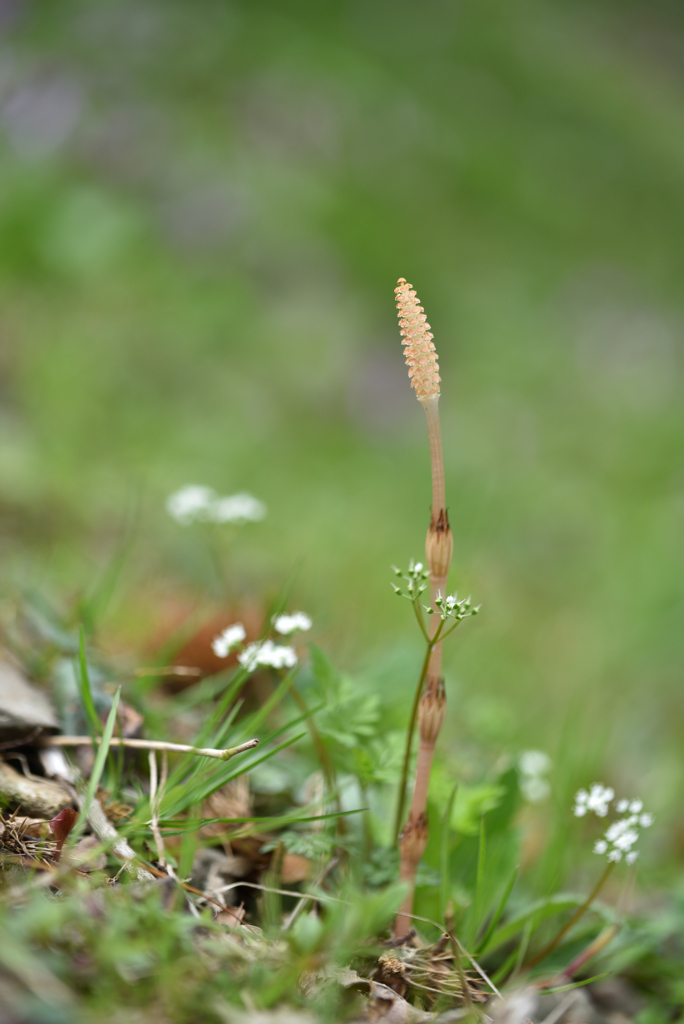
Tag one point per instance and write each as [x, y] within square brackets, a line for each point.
[60, 826]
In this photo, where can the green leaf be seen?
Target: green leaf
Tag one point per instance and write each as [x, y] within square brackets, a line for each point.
[324, 671]
[471, 803]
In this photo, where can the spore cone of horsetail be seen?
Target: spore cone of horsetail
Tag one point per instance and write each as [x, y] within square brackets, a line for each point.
[419, 348]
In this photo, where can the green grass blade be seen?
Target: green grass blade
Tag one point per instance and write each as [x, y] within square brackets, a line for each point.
[98, 768]
[183, 825]
[506, 967]
[93, 722]
[496, 916]
[479, 881]
[575, 984]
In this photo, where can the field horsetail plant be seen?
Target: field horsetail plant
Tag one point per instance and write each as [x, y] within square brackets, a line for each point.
[429, 705]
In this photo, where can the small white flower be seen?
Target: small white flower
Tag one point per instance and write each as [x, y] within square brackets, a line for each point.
[249, 658]
[418, 567]
[190, 503]
[623, 833]
[226, 641]
[535, 788]
[267, 653]
[599, 799]
[286, 624]
[627, 840]
[237, 509]
[581, 799]
[534, 762]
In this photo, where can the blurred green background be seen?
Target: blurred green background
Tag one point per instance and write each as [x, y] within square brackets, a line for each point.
[204, 208]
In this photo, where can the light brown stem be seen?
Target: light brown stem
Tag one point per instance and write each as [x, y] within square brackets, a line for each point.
[431, 405]
[178, 748]
[432, 708]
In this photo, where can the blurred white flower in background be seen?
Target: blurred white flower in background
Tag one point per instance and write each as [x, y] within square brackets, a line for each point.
[267, 653]
[598, 800]
[297, 621]
[196, 503]
[623, 834]
[534, 766]
[190, 503]
[230, 638]
[237, 509]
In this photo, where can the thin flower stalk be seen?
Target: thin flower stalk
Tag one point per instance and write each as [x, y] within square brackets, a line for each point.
[581, 910]
[421, 359]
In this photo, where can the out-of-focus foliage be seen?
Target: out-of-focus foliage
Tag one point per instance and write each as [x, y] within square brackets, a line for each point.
[203, 211]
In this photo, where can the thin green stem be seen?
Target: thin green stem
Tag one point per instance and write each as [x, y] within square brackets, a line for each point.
[452, 628]
[419, 618]
[319, 745]
[550, 946]
[401, 799]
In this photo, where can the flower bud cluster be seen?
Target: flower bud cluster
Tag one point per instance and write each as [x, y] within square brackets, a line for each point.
[622, 834]
[415, 580]
[450, 607]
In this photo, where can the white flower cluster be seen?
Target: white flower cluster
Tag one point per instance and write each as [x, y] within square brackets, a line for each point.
[623, 833]
[228, 640]
[534, 766]
[296, 622]
[202, 504]
[449, 607]
[262, 652]
[597, 800]
[267, 653]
